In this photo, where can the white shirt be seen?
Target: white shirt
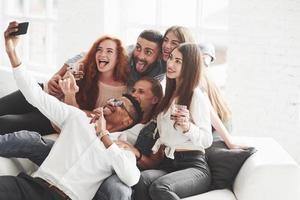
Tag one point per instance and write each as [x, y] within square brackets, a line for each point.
[199, 136]
[130, 135]
[78, 162]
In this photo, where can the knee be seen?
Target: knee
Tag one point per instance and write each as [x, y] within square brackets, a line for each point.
[112, 188]
[7, 125]
[121, 192]
[158, 187]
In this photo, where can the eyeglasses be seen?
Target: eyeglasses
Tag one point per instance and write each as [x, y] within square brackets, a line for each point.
[119, 103]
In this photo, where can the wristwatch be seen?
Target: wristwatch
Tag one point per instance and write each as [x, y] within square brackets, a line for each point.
[103, 133]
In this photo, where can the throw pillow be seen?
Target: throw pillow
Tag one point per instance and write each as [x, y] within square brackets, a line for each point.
[225, 163]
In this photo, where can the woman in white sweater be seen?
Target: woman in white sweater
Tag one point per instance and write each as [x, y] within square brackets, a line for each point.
[184, 134]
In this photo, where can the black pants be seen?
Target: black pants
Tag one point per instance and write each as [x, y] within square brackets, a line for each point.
[24, 187]
[17, 114]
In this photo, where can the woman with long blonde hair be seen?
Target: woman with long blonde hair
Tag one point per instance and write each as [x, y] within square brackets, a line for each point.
[220, 112]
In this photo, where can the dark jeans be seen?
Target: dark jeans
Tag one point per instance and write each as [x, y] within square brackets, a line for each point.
[188, 174]
[17, 114]
[24, 187]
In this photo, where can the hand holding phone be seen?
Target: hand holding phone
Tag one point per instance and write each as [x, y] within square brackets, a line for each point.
[22, 29]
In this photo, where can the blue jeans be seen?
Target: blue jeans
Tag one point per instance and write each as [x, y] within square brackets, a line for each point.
[188, 174]
[25, 144]
[31, 145]
[113, 189]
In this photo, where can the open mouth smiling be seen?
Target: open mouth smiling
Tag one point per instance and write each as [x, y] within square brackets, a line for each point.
[103, 63]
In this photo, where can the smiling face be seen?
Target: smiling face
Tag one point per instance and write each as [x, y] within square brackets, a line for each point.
[145, 54]
[119, 116]
[174, 64]
[142, 92]
[170, 42]
[106, 56]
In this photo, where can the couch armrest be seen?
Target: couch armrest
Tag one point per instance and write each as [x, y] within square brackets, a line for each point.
[13, 166]
[270, 173]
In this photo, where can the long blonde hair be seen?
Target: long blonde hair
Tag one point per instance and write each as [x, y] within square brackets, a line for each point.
[216, 99]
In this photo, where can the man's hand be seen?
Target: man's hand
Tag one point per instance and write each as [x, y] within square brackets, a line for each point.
[11, 44]
[129, 147]
[68, 84]
[99, 119]
[11, 41]
[53, 86]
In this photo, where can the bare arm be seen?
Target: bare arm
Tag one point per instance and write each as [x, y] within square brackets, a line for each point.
[222, 131]
[53, 109]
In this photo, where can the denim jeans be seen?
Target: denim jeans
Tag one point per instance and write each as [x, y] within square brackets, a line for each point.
[113, 189]
[188, 174]
[17, 114]
[25, 144]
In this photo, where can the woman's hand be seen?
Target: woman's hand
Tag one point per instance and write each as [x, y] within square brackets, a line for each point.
[235, 145]
[11, 41]
[182, 119]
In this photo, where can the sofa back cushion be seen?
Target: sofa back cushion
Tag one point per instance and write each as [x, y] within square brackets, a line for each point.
[225, 163]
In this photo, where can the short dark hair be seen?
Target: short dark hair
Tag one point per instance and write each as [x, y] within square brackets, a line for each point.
[152, 35]
[137, 107]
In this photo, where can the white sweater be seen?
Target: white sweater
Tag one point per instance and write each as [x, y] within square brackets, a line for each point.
[199, 137]
[78, 162]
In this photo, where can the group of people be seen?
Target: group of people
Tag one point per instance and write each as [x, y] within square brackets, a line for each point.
[120, 135]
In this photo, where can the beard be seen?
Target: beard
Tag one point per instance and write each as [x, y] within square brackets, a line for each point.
[143, 70]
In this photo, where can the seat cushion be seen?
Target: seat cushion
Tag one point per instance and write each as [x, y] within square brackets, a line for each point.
[224, 194]
[225, 163]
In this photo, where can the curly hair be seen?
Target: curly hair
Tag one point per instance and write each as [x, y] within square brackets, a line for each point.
[89, 89]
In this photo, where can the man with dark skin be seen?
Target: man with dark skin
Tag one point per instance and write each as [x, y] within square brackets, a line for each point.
[84, 138]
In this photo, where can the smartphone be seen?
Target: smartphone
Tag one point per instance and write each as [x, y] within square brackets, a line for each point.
[22, 29]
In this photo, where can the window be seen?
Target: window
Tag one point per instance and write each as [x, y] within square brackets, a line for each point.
[207, 19]
[37, 49]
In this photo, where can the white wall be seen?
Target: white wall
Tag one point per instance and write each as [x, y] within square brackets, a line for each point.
[263, 84]
[80, 23]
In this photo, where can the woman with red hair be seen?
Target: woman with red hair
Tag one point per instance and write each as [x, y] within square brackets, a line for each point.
[104, 71]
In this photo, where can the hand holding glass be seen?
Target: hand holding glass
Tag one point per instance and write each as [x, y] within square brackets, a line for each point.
[175, 113]
[76, 70]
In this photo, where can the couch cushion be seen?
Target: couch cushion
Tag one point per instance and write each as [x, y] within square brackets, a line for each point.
[225, 163]
[223, 194]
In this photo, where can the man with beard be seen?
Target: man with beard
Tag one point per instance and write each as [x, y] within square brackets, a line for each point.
[84, 150]
[144, 59]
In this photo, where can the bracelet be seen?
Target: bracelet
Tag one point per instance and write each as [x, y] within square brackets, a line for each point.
[103, 133]
[140, 156]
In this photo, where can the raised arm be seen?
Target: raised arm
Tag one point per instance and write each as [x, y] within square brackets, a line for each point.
[222, 131]
[52, 108]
